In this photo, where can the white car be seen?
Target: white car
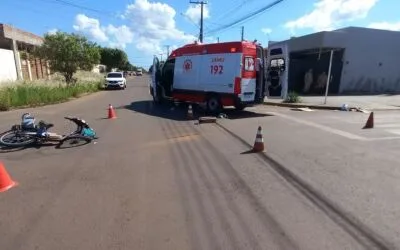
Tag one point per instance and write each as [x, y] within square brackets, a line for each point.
[115, 80]
[139, 72]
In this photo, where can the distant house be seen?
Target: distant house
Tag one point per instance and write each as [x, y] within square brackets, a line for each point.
[99, 68]
[16, 60]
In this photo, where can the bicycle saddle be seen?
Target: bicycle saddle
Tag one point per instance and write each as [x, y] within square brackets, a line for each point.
[43, 124]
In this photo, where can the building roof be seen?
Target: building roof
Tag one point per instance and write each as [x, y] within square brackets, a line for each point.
[10, 32]
[331, 39]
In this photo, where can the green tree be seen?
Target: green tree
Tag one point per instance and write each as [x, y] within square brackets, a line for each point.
[113, 58]
[128, 67]
[67, 53]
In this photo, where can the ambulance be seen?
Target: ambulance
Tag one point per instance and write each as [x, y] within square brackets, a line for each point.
[215, 75]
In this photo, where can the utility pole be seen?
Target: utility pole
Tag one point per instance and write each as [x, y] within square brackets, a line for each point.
[242, 33]
[201, 17]
[167, 46]
[218, 39]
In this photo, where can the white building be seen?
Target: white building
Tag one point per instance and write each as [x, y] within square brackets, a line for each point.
[16, 61]
[365, 61]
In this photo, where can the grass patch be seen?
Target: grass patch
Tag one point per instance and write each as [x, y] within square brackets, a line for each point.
[31, 94]
[292, 97]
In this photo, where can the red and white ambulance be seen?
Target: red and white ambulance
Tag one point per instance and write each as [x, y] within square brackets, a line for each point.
[217, 75]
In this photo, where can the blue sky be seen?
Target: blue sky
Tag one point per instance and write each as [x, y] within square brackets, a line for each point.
[144, 27]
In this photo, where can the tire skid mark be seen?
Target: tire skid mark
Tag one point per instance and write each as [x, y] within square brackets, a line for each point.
[348, 222]
[269, 223]
[207, 227]
[188, 208]
[229, 199]
[214, 201]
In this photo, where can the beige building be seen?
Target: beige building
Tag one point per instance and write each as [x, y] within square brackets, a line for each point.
[16, 59]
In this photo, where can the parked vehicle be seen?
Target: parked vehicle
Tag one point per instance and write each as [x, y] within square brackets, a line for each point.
[115, 80]
[217, 75]
[28, 133]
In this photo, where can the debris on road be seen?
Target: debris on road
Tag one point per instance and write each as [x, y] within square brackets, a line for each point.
[207, 119]
[222, 116]
[303, 109]
[360, 110]
[344, 107]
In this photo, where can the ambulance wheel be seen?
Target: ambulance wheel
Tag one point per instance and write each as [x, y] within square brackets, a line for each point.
[156, 98]
[213, 104]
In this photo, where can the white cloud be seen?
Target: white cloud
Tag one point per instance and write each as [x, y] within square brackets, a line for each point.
[327, 14]
[121, 35]
[385, 26]
[52, 31]
[194, 12]
[90, 27]
[266, 31]
[153, 23]
[114, 36]
[149, 25]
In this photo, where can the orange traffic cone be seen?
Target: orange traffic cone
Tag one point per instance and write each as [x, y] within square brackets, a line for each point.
[5, 180]
[370, 121]
[111, 112]
[190, 112]
[259, 143]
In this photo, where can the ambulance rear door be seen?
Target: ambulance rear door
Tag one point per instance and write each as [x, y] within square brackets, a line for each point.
[249, 75]
[218, 72]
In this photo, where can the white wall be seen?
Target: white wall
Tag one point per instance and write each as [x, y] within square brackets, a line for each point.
[7, 66]
[365, 50]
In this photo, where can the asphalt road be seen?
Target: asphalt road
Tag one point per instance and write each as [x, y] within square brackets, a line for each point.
[157, 181]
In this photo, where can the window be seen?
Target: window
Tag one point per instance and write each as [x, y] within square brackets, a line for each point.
[249, 63]
[277, 62]
[274, 52]
[114, 75]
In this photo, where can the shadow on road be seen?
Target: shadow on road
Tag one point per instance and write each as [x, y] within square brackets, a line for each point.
[6, 149]
[179, 112]
[165, 110]
[233, 114]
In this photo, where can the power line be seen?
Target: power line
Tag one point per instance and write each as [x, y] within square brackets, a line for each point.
[231, 11]
[246, 17]
[67, 3]
[193, 22]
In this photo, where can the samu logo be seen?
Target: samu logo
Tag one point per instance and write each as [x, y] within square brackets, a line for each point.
[187, 65]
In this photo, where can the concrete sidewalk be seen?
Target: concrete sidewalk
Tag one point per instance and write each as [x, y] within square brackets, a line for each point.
[373, 103]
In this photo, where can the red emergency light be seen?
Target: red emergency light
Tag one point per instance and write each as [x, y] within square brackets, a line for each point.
[237, 87]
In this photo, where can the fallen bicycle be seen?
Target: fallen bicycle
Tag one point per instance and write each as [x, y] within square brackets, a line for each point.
[28, 133]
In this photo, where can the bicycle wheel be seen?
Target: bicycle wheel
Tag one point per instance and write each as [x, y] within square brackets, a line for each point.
[16, 139]
[74, 141]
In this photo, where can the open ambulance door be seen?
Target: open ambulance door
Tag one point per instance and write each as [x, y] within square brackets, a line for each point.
[155, 75]
[260, 75]
[277, 70]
